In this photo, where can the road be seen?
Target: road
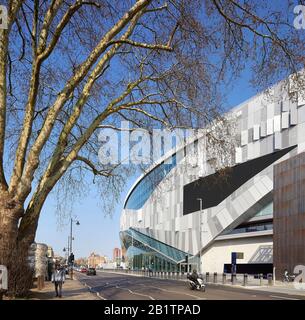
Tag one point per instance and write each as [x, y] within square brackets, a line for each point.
[111, 286]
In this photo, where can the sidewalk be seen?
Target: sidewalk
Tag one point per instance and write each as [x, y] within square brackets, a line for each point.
[72, 290]
[280, 287]
[276, 287]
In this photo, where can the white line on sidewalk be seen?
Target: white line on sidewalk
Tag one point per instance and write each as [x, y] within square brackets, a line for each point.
[285, 298]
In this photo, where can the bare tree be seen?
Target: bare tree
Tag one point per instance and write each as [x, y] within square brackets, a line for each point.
[69, 66]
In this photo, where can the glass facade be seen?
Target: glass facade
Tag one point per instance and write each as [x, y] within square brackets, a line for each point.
[253, 227]
[147, 185]
[266, 211]
[146, 252]
[256, 226]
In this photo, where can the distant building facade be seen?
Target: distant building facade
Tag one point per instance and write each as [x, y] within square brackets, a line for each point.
[81, 262]
[95, 260]
[117, 255]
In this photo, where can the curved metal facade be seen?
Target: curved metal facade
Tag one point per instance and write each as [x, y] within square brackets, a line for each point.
[269, 129]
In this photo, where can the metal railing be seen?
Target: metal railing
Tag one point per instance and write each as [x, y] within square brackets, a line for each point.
[212, 278]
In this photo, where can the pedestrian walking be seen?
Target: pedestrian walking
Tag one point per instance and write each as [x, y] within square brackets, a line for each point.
[58, 278]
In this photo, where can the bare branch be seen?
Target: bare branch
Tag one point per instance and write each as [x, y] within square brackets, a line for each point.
[95, 171]
[44, 51]
[143, 45]
[33, 157]
[164, 7]
[49, 16]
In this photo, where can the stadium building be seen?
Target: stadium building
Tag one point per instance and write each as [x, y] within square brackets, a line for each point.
[251, 215]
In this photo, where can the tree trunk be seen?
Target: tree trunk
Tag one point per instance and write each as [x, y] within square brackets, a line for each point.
[13, 253]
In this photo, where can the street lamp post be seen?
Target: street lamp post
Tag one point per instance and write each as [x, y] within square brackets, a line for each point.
[132, 247]
[71, 239]
[68, 248]
[200, 233]
[66, 251]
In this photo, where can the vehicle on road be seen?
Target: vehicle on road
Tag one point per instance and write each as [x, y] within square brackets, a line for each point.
[193, 285]
[288, 277]
[91, 272]
[83, 270]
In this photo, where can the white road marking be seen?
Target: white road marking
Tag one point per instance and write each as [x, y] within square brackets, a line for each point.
[116, 284]
[178, 292]
[97, 293]
[286, 298]
[100, 296]
[132, 292]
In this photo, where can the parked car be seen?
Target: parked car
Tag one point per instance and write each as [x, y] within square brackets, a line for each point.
[83, 270]
[91, 272]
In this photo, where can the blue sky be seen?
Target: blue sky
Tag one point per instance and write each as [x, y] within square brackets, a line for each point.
[97, 232]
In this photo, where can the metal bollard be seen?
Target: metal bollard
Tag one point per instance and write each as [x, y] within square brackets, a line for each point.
[245, 280]
[207, 277]
[224, 278]
[215, 277]
[270, 278]
[234, 279]
[261, 277]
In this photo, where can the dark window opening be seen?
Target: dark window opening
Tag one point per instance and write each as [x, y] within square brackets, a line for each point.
[216, 187]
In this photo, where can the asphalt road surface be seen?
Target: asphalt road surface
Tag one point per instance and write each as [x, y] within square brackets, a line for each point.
[111, 286]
